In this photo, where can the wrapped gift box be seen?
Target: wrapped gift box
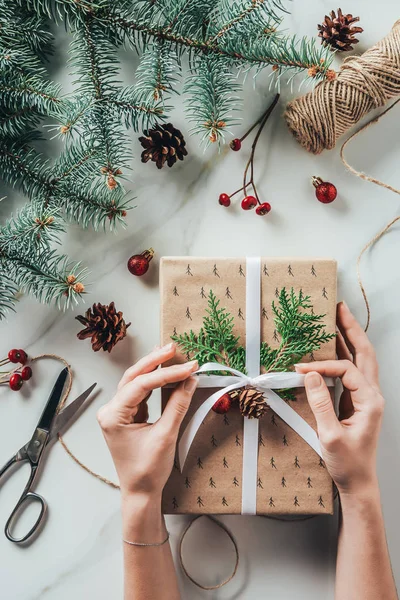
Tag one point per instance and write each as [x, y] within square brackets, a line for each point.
[291, 479]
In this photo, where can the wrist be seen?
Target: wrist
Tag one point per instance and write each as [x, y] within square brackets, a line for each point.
[361, 497]
[142, 519]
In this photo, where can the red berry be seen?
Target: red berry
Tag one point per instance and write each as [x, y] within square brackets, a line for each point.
[138, 264]
[236, 144]
[263, 209]
[249, 202]
[224, 200]
[23, 357]
[15, 382]
[14, 355]
[26, 373]
[222, 405]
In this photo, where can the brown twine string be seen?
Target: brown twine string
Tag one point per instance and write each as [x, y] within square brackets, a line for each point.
[363, 83]
[386, 228]
[229, 534]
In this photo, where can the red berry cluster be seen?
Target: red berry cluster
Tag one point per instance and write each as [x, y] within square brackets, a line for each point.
[250, 201]
[16, 377]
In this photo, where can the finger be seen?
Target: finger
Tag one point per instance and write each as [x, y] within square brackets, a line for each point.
[321, 404]
[148, 363]
[361, 392]
[342, 351]
[136, 390]
[178, 405]
[356, 338]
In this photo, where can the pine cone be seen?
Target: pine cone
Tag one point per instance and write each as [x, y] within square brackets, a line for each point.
[163, 143]
[252, 403]
[337, 32]
[104, 325]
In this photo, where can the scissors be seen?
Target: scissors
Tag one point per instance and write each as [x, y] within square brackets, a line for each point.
[49, 425]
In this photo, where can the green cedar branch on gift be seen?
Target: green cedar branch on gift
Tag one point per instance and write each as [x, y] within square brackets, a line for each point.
[208, 44]
[301, 332]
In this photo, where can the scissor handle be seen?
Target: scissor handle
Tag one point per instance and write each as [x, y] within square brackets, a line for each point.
[26, 498]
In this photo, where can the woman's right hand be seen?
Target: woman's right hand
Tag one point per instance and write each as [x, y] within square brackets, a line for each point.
[349, 443]
[143, 453]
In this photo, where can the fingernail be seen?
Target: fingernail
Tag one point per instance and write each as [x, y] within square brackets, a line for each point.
[193, 365]
[298, 366]
[156, 347]
[313, 381]
[168, 347]
[190, 384]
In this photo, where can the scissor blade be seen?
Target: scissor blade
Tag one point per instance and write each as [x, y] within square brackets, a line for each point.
[69, 412]
[52, 403]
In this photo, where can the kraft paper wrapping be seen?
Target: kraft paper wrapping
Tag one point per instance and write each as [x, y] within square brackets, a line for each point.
[291, 477]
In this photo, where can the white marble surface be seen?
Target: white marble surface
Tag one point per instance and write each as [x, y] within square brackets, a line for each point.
[78, 554]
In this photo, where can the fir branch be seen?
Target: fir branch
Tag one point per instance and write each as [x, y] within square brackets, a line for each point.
[45, 276]
[215, 341]
[301, 332]
[211, 102]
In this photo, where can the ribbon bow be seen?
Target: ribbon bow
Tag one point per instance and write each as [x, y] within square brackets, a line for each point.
[265, 383]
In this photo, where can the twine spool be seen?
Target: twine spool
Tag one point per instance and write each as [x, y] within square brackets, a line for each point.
[319, 118]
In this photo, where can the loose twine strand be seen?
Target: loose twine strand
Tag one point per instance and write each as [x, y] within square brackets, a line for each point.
[386, 228]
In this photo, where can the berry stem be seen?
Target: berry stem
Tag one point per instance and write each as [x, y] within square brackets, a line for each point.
[250, 162]
[263, 116]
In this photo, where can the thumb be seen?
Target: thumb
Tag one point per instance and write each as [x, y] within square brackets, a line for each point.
[178, 404]
[321, 404]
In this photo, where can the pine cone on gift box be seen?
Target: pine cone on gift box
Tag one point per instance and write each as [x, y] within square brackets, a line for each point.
[104, 325]
[337, 31]
[252, 403]
[163, 143]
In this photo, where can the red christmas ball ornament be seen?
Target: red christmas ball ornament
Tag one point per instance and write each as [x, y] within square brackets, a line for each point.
[222, 405]
[235, 144]
[224, 200]
[249, 202]
[26, 373]
[325, 191]
[14, 356]
[263, 209]
[15, 382]
[138, 264]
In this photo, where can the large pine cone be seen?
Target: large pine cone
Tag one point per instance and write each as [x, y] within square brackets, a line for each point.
[163, 144]
[337, 31]
[104, 325]
[252, 403]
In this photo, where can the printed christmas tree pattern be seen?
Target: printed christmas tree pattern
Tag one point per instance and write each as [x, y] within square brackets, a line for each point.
[291, 492]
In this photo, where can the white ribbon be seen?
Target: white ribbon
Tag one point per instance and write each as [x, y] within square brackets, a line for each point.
[265, 383]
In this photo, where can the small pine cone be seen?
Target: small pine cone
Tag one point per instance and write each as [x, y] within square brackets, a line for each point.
[104, 325]
[337, 31]
[163, 143]
[252, 403]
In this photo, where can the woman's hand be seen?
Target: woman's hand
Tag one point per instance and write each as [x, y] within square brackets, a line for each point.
[349, 443]
[143, 453]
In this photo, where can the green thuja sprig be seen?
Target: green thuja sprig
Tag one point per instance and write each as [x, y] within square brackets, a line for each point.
[300, 330]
